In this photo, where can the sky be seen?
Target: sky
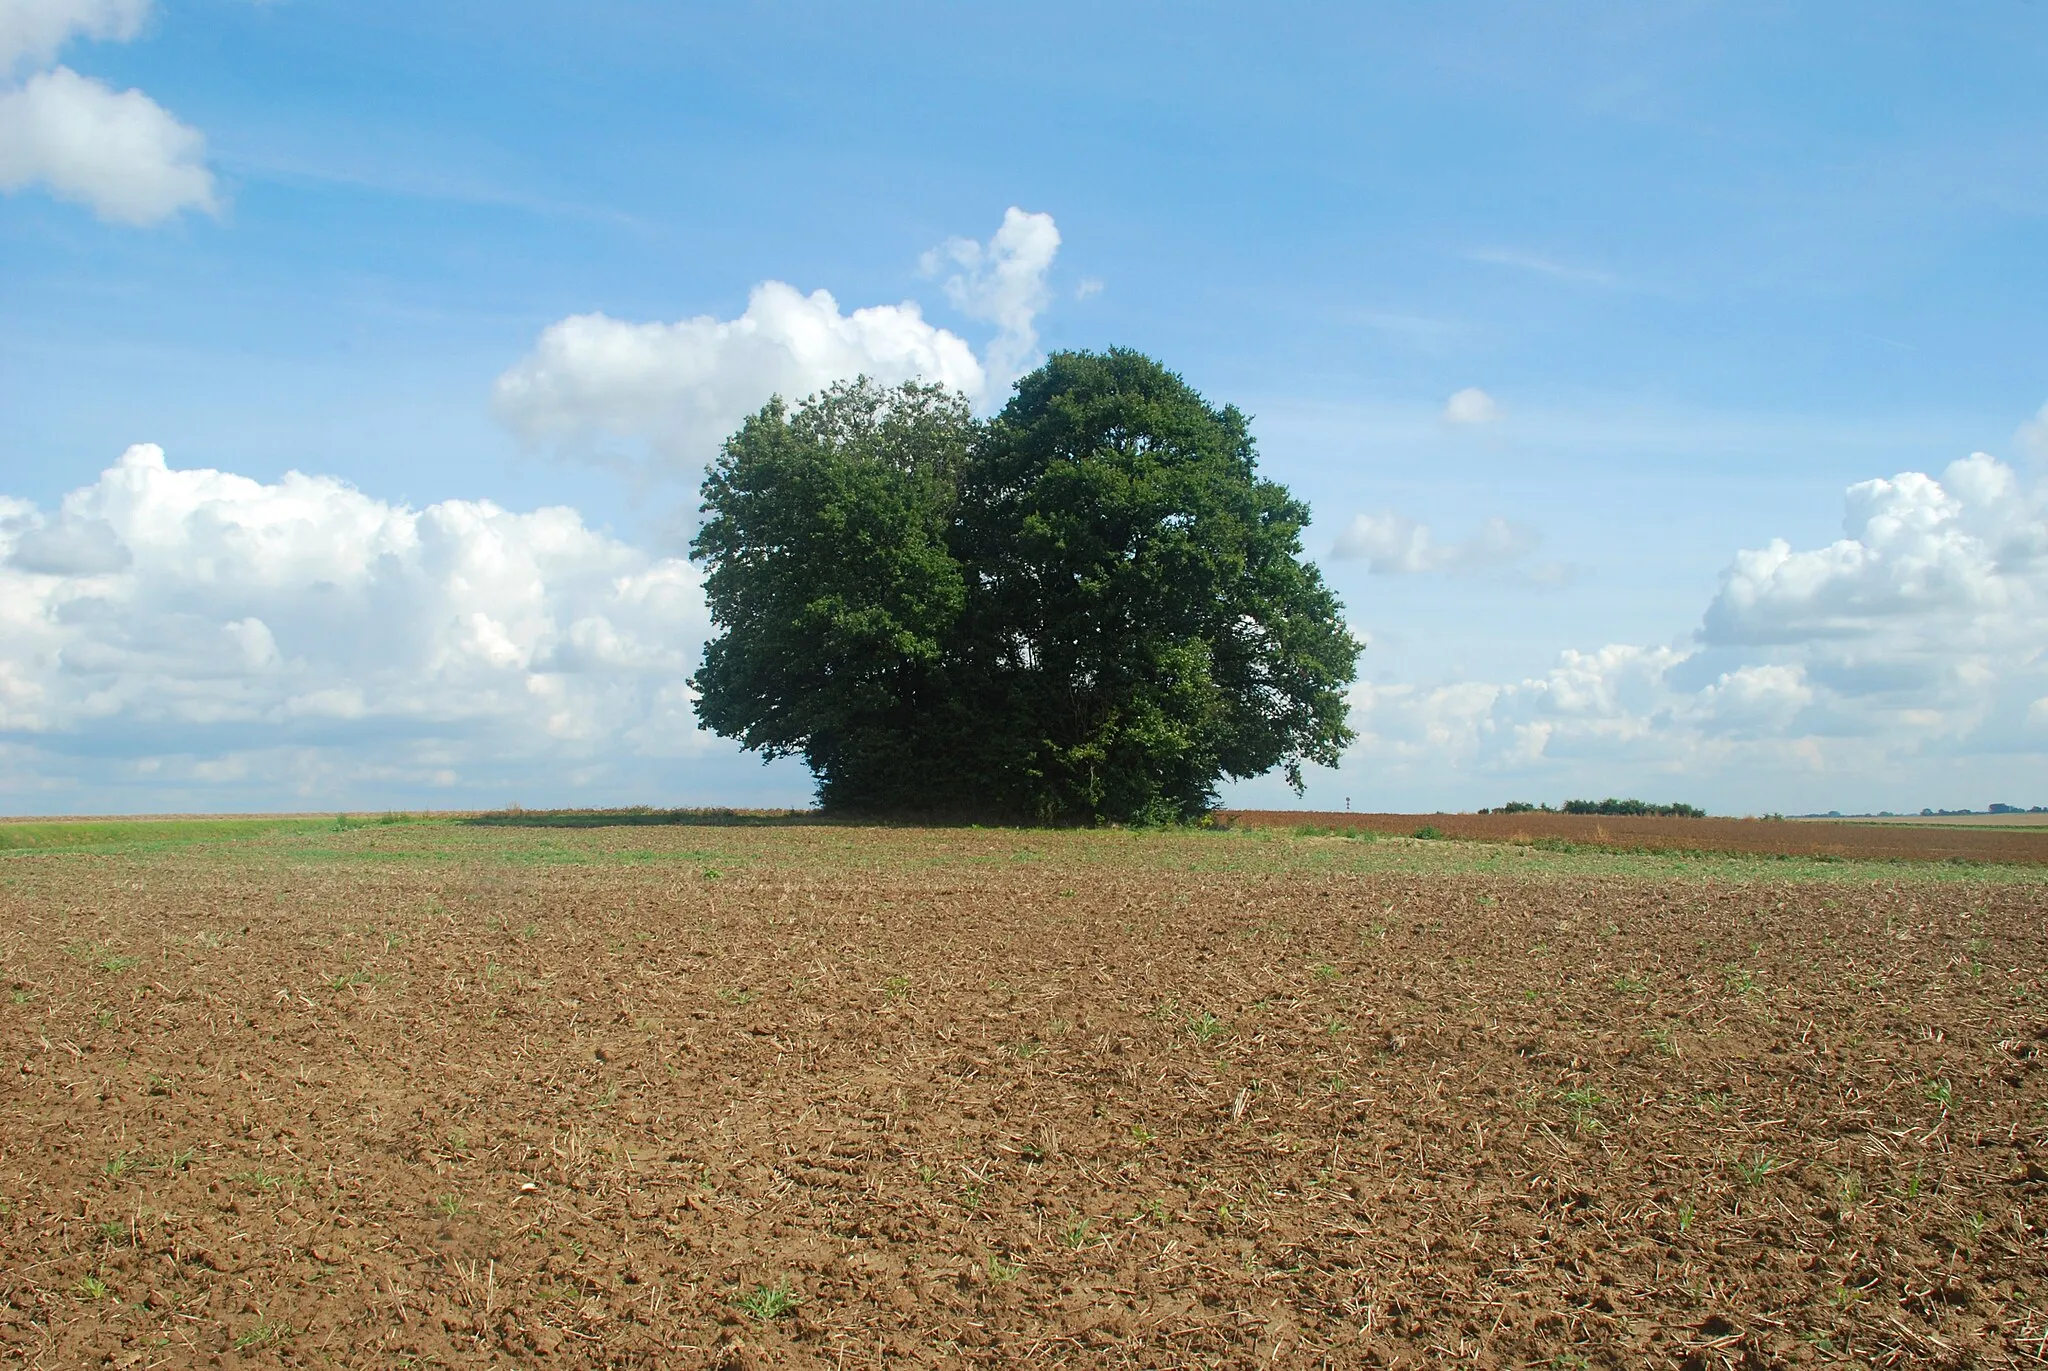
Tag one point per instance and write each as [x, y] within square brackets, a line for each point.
[1669, 383]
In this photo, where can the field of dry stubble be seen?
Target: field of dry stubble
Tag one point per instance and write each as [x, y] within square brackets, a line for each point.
[442, 1095]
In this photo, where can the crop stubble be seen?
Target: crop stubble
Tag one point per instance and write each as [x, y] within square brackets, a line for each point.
[897, 1097]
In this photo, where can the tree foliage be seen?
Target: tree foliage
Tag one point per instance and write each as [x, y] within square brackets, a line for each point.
[1089, 608]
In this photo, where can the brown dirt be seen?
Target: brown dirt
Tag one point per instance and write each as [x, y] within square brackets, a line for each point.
[1002, 1099]
[1898, 841]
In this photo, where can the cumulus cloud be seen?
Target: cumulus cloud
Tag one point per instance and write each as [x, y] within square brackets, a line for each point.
[592, 380]
[595, 387]
[185, 621]
[1919, 635]
[2033, 436]
[32, 31]
[1393, 544]
[1002, 282]
[1471, 406]
[117, 152]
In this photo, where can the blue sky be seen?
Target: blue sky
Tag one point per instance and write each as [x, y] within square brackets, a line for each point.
[1706, 267]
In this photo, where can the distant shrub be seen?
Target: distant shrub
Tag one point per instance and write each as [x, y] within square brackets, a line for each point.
[1428, 831]
[1633, 809]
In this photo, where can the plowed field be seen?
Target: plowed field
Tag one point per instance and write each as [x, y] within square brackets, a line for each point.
[1846, 840]
[837, 1097]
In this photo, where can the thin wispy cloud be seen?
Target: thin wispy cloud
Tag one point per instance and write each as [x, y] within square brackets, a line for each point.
[1543, 266]
[1393, 544]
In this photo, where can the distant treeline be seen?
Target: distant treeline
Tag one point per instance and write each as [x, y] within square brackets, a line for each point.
[1626, 808]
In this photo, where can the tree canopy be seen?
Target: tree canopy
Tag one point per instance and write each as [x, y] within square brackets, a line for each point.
[1089, 608]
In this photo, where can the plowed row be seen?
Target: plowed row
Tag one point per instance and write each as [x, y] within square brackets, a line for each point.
[1758, 837]
[845, 1097]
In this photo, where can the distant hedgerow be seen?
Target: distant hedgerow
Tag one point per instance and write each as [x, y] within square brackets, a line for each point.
[1634, 809]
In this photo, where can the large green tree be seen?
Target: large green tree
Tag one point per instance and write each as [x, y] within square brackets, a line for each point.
[830, 578]
[1091, 608]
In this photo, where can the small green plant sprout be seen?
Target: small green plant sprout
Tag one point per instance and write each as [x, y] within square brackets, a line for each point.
[895, 988]
[970, 1196]
[1141, 1135]
[91, 1287]
[1939, 1092]
[1738, 980]
[1663, 1041]
[738, 995]
[113, 1230]
[1334, 1025]
[21, 996]
[1000, 1270]
[1584, 1101]
[1631, 985]
[1324, 971]
[263, 1333]
[448, 1206]
[1849, 1186]
[1205, 1026]
[710, 873]
[768, 1302]
[118, 1165]
[1752, 1170]
[1687, 1212]
[1429, 831]
[116, 962]
[1076, 1234]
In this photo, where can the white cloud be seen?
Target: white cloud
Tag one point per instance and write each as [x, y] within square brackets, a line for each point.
[187, 623]
[1002, 282]
[1089, 288]
[32, 31]
[1393, 544]
[2033, 436]
[1471, 406]
[601, 388]
[119, 153]
[1920, 637]
[1541, 265]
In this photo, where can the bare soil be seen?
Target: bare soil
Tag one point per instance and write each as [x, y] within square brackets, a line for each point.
[1889, 840]
[838, 1097]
